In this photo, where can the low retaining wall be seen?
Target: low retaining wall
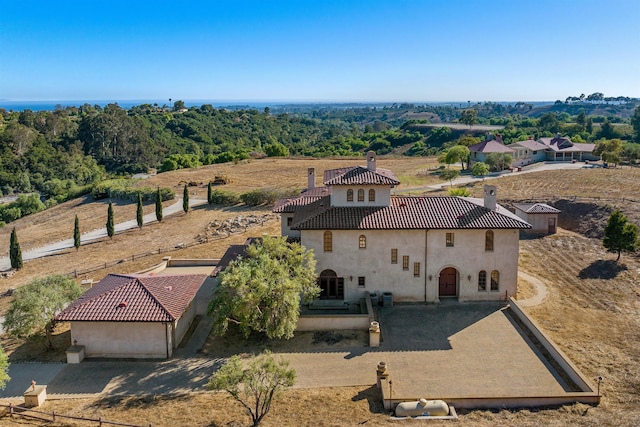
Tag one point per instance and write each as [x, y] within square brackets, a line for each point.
[325, 322]
[587, 394]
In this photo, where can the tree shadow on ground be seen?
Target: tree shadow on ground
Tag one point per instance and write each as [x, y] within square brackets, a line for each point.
[602, 269]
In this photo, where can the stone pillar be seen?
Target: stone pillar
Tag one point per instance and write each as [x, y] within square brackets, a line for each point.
[374, 334]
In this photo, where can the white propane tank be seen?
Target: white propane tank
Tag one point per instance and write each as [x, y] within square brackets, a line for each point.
[434, 408]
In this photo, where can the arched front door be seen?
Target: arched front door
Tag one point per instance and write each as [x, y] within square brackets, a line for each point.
[448, 285]
[331, 286]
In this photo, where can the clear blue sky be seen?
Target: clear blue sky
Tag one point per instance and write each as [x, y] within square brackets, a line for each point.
[346, 50]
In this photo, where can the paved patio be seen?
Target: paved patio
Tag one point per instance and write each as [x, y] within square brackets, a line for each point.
[448, 350]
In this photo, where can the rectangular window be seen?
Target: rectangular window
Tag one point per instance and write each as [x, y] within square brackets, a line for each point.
[361, 282]
[416, 269]
[449, 240]
[289, 221]
[394, 256]
[405, 262]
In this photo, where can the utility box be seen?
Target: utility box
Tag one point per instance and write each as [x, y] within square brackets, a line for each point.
[35, 396]
[387, 299]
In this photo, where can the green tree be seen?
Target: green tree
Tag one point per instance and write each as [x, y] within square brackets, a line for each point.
[159, 206]
[15, 253]
[255, 386]
[76, 233]
[4, 369]
[498, 161]
[607, 131]
[32, 312]
[620, 235]
[581, 120]
[635, 122]
[609, 150]
[178, 105]
[139, 212]
[449, 175]
[480, 169]
[457, 153]
[461, 192]
[110, 225]
[209, 194]
[469, 117]
[185, 199]
[276, 150]
[261, 292]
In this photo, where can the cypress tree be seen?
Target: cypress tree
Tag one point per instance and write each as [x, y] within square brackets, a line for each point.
[110, 227]
[76, 233]
[139, 213]
[185, 199]
[209, 194]
[15, 253]
[158, 206]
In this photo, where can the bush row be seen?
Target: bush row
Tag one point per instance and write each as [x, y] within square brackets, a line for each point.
[123, 189]
[259, 197]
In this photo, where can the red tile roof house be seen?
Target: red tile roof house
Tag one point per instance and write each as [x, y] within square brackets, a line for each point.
[563, 149]
[134, 316]
[421, 249]
[479, 152]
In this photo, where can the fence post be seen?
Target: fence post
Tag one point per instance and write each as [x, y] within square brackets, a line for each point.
[75, 273]
[53, 415]
[11, 409]
[99, 421]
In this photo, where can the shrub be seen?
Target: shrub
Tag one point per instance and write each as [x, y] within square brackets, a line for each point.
[462, 192]
[266, 196]
[226, 198]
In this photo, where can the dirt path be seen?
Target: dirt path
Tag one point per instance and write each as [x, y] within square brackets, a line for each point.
[541, 290]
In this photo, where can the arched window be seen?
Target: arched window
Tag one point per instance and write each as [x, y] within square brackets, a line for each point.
[488, 241]
[328, 241]
[482, 280]
[350, 195]
[372, 195]
[362, 242]
[361, 195]
[495, 280]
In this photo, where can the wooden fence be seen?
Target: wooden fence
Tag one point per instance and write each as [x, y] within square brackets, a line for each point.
[52, 416]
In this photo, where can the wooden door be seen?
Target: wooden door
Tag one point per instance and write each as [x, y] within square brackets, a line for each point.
[448, 282]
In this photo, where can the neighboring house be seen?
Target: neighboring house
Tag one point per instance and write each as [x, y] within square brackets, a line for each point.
[528, 152]
[562, 149]
[531, 151]
[479, 152]
[417, 248]
[542, 217]
[137, 316]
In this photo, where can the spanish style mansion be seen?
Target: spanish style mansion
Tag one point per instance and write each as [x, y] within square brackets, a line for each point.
[420, 248]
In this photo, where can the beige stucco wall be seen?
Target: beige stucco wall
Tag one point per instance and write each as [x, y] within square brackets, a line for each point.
[181, 326]
[339, 195]
[332, 323]
[428, 248]
[123, 339]
[284, 228]
[539, 222]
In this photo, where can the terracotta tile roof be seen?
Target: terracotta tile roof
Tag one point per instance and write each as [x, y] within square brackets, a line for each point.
[407, 212]
[291, 204]
[232, 253]
[359, 175]
[135, 298]
[536, 208]
[490, 146]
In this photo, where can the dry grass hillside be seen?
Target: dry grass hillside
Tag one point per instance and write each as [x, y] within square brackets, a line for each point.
[591, 311]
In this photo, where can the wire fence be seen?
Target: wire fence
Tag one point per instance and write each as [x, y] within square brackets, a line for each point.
[15, 410]
[133, 257]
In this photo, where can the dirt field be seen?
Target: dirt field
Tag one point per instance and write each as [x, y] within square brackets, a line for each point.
[591, 311]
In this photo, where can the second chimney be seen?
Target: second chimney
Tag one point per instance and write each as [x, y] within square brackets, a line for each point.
[311, 179]
[490, 197]
[371, 161]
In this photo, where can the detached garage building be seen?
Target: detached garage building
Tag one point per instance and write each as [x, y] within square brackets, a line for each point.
[542, 217]
[138, 316]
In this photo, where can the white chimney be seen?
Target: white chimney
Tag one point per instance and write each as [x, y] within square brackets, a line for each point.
[311, 179]
[499, 138]
[371, 161]
[490, 197]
